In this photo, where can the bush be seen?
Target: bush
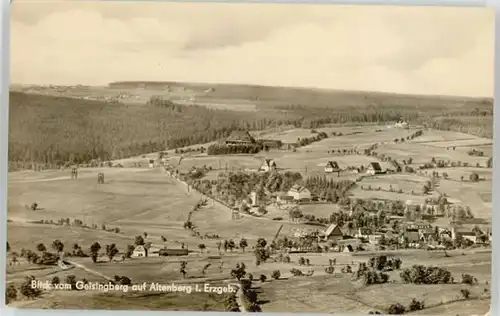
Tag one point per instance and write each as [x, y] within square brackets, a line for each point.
[10, 293]
[468, 279]
[302, 261]
[123, 280]
[246, 284]
[296, 272]
[27, 290]
[465, 293]
[396, 309]
[55, 280]
[262, 278]
[276, 274]
[416, 305]
[373, 277]
[419, 274]
[71, 280]
[231, 305]
[474, 177]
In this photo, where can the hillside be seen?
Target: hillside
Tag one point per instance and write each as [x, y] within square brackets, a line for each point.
[56, 130]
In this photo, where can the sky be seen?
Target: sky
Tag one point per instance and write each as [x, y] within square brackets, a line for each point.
[414, 50]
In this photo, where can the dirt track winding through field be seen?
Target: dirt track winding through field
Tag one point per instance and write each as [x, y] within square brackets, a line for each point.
[94, 272]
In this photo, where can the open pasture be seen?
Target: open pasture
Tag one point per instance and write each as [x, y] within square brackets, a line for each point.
[320, 210]
[135, 203]
[423, 153]
[385, 195]
[27, 236]
[485, 174]
[88, 300]
[468, 143]
[405, 182]
[123, 195]
[438, 136]
[477, 195]
[302, 160]
[339, 293]
[220, 163]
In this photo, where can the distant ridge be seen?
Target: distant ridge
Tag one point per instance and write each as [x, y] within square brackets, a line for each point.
[263, 89]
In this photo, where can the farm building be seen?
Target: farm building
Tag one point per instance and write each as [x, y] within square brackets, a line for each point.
[418, 225]
[270, 143]
[284, 198]
[334, 233]
[349, 245]
[401, 123]
[466, 234]
[268, 165]
[300, 193]
[428, 236]
[332, 166]
[173, 252]
[411, 235]
[374, 168]
[363, 233]
[139, 251]
[240, 138]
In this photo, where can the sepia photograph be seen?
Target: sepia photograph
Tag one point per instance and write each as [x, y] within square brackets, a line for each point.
[237, 157]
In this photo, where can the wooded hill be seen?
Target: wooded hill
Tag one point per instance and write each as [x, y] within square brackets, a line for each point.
[56, 130]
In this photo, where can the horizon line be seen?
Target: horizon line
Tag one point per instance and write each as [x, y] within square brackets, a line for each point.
[257, 85]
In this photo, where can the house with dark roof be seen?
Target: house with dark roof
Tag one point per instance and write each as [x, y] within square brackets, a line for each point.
[332, 166]
[240, 138]
[374, 168]
[268, 165]
[333, 232]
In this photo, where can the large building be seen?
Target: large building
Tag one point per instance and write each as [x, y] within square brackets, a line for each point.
[240, 138]
[299, 193]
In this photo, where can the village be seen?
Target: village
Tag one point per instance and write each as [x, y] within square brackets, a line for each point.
[202, 169]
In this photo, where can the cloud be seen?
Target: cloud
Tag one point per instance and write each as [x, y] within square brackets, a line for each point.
[395, 49]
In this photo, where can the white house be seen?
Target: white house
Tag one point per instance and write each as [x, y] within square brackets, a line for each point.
[139, 252]
[374, 168]
[268, 165]
[254, 198]
[299, 193]
[401, 123]
[332, 166]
